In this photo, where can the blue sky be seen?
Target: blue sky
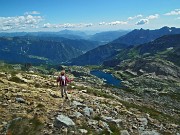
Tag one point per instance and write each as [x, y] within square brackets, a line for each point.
[56, 15]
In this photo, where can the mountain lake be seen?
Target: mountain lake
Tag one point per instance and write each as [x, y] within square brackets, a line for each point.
[109, 78]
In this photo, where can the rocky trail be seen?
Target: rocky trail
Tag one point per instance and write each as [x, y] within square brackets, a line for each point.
[31, 104]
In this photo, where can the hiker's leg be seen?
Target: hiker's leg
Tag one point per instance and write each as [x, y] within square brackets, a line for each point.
[65, 91]
[62, 91]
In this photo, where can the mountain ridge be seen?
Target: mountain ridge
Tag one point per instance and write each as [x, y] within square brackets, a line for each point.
[89, 57]
[141, 36]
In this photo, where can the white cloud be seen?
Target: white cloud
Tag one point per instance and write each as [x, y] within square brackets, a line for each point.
[19, 22]
[117, 22]
[47, 25]
[102, 23]
[67, 25]
[152, 17]
[135, 17]
[114, 23]
[32, 13]
[174, 12]
[142, 21]
[147, 19]
[5, 28]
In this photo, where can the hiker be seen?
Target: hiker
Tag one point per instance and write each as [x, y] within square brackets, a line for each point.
[63, 80]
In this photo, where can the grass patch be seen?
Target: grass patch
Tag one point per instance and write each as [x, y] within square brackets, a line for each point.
[37, 85]
[16, 79]
[97, 117]
[115, 130]
[24, 126]
[86, 127]
[40, 105]
[173, 96]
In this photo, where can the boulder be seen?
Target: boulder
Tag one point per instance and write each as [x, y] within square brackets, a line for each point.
[92, 122]
[149, 133]
[143, 121]
[111, 120]
[124, 132]
[20, 100]
[62, 120]
[88, 111]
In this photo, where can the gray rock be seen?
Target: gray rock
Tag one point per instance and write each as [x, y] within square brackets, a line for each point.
[117, 121]
[20, 100]
[107, 119]
[54, 95]
[78, 104]
[62, 120]
[110, 119]
[88, 111]
[143, 121]
[141, 128]
[124, 132]
[92, 122]
[149, 133]
[83, 131]
[77, 114]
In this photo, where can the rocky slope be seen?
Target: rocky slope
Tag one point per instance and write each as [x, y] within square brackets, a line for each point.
[30, 103]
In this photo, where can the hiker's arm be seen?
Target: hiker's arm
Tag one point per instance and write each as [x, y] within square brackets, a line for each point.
[68, 80]
[57, 80]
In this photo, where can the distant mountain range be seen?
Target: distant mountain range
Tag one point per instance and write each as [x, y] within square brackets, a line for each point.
[142, 36]
[64, 33]
[101, 37]
[42, 47]
[29, 49]
[106, 37]
[135, 37]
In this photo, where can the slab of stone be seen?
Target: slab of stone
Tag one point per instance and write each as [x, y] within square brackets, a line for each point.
[124, 132]
[62, 120]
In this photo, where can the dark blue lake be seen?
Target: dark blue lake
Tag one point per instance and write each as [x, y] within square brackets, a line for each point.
[110, 80]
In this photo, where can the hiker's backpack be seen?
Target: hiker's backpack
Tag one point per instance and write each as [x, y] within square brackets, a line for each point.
[62, 80]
